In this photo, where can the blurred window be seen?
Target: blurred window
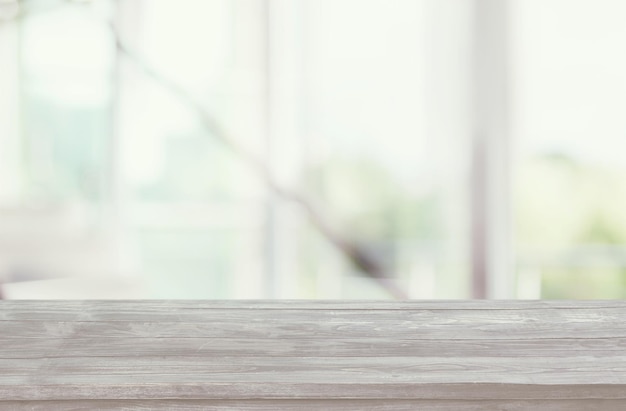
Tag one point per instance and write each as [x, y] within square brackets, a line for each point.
[569, 127]
[448, 140]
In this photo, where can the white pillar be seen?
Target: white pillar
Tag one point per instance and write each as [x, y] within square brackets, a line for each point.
[491, 181]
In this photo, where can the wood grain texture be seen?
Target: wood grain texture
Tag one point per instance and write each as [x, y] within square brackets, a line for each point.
[308, 405]
[300, 355]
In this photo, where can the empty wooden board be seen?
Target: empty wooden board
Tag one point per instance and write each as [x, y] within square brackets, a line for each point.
[345, 355]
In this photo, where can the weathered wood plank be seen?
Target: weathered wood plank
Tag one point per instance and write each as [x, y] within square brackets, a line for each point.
[110, 311]
[509, 355]
[316, 405]
[315, 305]
[299, 328]
[311, 347]
[506, 370]
[136, 389]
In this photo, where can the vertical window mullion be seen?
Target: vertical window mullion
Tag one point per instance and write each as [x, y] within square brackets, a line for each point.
[269, 238]
[491, 226]
[10, 145]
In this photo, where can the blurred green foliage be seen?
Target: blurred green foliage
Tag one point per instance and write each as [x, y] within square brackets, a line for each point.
[373, 205]
[571, 225]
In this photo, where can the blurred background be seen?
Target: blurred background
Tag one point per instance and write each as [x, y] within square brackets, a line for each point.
[313, 149]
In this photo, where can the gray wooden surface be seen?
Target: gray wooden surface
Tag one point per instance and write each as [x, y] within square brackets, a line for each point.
[301, 355]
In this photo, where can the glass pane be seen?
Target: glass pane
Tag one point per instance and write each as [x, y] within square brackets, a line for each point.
[66, 65]
[194, 206]
[569, 103]
[391, 176]
[53, 224]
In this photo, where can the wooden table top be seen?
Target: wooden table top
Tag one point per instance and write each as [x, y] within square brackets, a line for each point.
[347, 355]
